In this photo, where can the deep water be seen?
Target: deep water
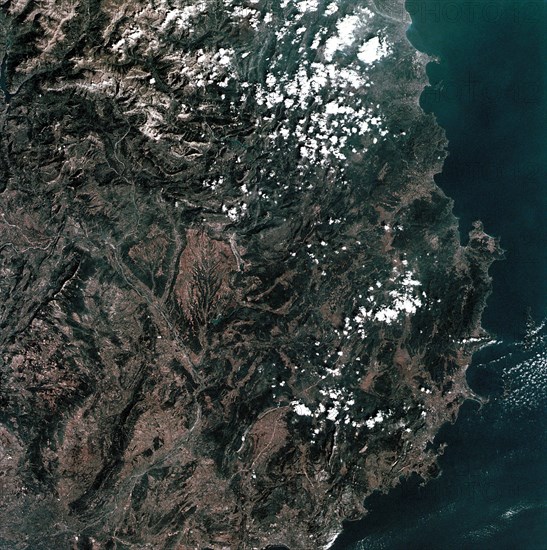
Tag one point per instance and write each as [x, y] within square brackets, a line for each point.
[487, 93]
[492, 490]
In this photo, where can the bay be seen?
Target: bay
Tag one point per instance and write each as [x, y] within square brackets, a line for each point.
[487, 92]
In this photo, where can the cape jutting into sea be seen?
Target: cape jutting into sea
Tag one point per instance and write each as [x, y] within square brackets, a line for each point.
[487, 93]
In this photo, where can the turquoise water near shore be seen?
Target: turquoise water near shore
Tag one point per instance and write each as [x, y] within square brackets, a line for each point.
[487, 93]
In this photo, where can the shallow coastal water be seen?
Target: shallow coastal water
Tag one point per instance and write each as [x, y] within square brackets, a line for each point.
[487, 94]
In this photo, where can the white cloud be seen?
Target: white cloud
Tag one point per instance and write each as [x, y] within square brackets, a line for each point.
[372, 50]
[301, 409]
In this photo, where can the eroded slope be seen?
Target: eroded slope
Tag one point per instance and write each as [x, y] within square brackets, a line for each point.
[233, 300]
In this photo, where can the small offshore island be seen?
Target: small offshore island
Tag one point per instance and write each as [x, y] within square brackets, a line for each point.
[234, 301]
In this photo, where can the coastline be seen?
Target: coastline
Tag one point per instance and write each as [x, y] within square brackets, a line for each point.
[254, 337]
[479, 242]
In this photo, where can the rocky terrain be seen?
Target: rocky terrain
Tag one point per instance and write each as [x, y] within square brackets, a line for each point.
[233, 300]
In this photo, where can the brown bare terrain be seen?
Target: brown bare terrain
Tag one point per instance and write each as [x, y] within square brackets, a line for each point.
[233, 301]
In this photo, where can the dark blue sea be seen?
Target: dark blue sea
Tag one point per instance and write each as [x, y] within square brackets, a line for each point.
[487, 92]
